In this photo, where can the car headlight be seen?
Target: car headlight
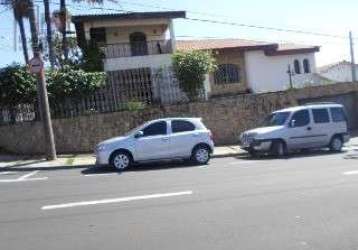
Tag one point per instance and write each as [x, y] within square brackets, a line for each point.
[100, 148]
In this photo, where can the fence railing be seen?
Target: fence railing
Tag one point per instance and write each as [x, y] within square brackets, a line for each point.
[138, 49]
[130, 90]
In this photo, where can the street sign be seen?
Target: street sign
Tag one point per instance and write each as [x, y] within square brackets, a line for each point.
[36, 65]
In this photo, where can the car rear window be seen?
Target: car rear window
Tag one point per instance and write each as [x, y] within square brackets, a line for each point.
[179, 126]
[320, 115]
[338, 115]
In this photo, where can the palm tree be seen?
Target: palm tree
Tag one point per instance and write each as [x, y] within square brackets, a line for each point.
[51, 51]
[20, 9]
[64, 16]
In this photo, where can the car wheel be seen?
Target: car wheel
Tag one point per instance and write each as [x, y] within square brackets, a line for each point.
[121, 160]
[278, 149]
[336, 144]
[201, 155]
[252, 152]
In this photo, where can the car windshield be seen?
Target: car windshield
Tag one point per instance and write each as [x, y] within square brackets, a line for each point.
[276, 119]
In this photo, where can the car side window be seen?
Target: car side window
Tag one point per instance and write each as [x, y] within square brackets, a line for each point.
[301, 118]
[179, 126]
[320, 115]
[157, 128]
[338, 115]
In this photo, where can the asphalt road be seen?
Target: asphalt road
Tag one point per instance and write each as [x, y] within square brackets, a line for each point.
[303, 202]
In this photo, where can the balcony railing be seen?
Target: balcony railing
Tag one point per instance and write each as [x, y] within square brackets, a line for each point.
[138, 49]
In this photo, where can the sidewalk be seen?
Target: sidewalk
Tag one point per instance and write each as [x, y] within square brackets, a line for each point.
[85, 160]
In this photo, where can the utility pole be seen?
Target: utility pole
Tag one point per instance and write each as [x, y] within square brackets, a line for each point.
[353, 64]
[36, 67]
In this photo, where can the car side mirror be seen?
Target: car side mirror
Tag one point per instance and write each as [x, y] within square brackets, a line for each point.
[292, 123]
[139, 134]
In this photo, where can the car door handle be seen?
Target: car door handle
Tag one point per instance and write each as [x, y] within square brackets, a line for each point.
[165, 139]
[309, 128]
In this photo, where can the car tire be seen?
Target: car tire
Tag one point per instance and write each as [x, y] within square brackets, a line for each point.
[201, 155]
[278, 149]
[336, 144]
[253, 153]
[121, 160]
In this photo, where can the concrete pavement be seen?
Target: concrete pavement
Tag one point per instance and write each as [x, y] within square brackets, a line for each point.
[307, 201]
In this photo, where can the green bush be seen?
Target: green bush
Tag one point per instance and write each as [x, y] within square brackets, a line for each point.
[190, 69]
[18, 86]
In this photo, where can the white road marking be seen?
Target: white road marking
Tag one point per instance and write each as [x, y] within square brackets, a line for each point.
[23, 178]
[104, 174]
[5, 173]
[28, 175]
[351, 173]
[17, 180]
[115, 200]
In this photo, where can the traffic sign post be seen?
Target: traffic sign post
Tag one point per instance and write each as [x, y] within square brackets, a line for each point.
[36, 66]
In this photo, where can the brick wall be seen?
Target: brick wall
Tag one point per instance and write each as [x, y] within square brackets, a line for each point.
[227, 117]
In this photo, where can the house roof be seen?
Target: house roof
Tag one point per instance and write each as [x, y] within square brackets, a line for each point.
[209, 44]
[327, 67]
[129, 16]
[271, 49]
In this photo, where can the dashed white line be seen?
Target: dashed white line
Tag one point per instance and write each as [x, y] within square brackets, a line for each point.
[25, 180]
[351, 173]
[104, 174]
[115, 200]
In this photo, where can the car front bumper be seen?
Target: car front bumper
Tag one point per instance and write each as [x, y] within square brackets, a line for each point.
[257, 145]
[102, 158]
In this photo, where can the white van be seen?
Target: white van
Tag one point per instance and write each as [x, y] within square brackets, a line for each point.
[315, 125]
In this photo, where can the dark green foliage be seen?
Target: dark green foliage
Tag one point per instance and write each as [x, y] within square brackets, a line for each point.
[190, 69]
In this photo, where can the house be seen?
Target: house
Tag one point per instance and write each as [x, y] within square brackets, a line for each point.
[138, 47]
[245, 65]
[338, 72]
[137, 50]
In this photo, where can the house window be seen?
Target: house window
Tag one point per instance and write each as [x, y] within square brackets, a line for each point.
[227, 73]
[306, 66]
[98, 35]
[297, 67]
[138, 42]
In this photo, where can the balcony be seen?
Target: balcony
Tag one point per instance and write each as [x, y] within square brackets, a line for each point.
[138, 49]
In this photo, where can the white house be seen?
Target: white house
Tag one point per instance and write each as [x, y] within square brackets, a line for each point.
[246, 65]
[338, 72]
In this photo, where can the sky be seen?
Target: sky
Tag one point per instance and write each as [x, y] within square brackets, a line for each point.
[332, 17]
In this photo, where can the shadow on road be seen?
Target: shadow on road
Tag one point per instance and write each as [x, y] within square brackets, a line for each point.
[167, 165]
[294, 155]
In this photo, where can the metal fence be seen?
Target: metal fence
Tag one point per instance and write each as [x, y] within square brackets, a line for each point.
[130, 90]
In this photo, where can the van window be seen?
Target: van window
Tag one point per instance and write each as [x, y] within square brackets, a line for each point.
[338, 115]
[320, 115]
[301, 118]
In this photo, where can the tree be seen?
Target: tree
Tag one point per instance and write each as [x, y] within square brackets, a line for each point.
[20, 10]
[190, 69]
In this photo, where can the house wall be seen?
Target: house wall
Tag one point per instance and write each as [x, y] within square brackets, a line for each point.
[269, 73]
[227, 117]
[121, 34]
[147, 25]
[339, 73]
[229, 56]
[134, 62]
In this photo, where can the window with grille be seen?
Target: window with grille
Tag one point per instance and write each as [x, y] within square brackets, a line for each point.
[306, 66]
[227, 73]
[297, 67]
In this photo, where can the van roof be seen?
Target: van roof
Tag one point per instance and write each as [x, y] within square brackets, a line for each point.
[310, 106]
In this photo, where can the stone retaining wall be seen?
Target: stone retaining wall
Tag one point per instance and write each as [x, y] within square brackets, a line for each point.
[227, 117]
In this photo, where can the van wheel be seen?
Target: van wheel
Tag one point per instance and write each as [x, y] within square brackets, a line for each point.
[121, 160]
[278, 149]
[201, 155]
[336, 144]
